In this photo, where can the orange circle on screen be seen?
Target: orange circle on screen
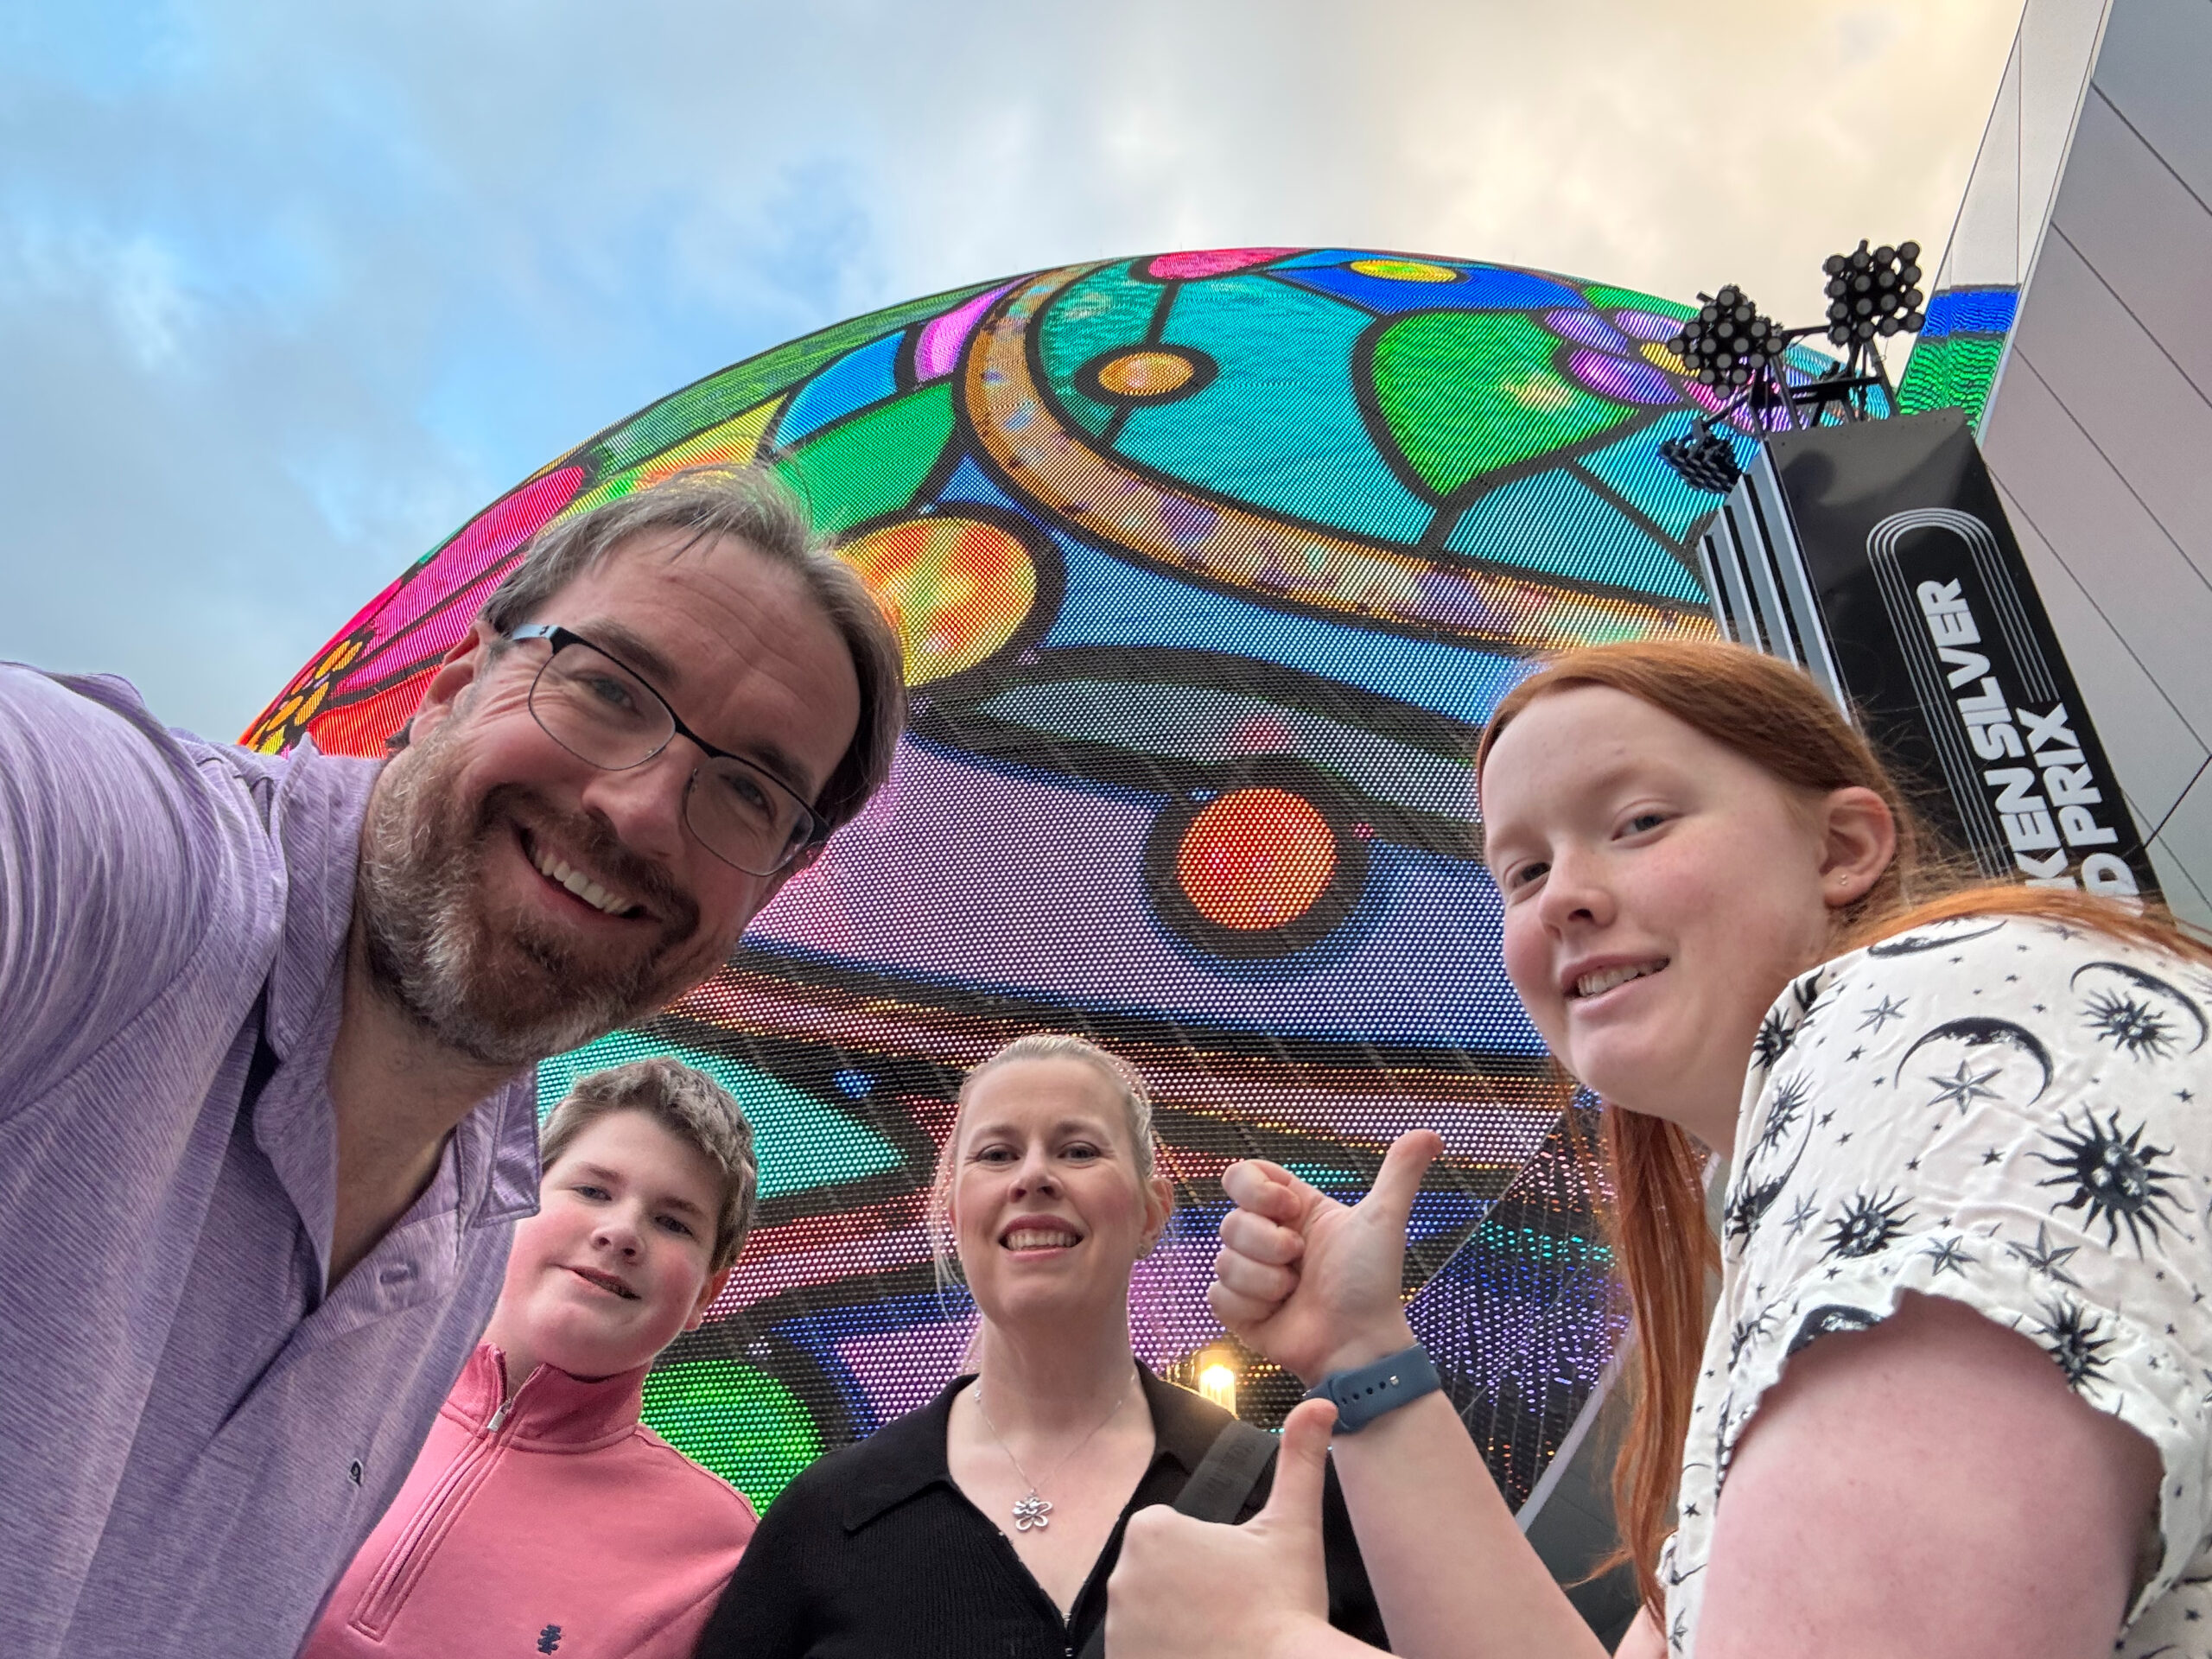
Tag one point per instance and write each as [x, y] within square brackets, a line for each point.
[1256, 858]
[958, 588]
[1146, 374]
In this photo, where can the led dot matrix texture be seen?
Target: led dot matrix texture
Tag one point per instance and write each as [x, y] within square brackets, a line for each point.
[1210, 566]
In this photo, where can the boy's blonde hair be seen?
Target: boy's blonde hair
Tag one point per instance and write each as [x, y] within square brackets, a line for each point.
[690, 1105]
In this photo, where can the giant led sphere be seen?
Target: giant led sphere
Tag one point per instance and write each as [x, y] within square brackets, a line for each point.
[1210, 566]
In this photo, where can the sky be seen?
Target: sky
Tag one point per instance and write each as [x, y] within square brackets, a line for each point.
[288, 292]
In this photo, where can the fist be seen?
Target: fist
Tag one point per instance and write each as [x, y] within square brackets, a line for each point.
[1311, 1283]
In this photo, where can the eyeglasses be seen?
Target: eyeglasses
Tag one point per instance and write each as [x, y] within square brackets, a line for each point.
[601, 712]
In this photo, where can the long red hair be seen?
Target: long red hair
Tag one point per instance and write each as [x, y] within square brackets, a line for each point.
[1775, 716]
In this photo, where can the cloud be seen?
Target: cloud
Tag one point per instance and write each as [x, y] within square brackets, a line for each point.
[286, 292]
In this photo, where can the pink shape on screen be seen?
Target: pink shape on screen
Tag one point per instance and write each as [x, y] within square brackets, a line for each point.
[489, 538]
[938, 349]
[793, 1262]
[1212, 262]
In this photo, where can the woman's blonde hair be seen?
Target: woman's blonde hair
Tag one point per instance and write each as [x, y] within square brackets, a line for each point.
[1129, 1093]
[1775, 716]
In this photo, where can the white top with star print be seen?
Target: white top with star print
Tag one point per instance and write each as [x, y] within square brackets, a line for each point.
[2012, 1113]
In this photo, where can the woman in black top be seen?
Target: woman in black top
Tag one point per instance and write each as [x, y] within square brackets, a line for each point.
[987, 1521]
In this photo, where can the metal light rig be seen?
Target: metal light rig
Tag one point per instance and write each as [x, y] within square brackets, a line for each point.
[1729, 345]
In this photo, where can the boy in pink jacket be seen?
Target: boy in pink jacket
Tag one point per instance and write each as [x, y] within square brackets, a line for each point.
[542, 1516]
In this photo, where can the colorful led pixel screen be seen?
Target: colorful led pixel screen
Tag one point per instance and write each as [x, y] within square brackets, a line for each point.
[1954, 362]
[1210, 566]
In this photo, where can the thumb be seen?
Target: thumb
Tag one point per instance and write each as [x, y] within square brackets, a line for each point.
[1294, 1500]
[1391, 1198]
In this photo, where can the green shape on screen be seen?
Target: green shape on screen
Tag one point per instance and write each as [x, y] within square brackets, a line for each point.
[739, 1423]
[743, 384]
[1953, 371]
[799, 1141]
[1466, 393]
[872, 462]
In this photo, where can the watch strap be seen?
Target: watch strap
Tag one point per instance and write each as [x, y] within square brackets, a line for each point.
[1367, 1392]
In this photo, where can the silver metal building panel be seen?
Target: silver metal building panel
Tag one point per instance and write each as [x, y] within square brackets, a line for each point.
[2135, 223]
[2100, 429]
[2154, 70]
[2151, 747]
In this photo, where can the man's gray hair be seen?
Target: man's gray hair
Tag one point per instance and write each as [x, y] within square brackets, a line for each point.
[750, 505]
[690, 1105]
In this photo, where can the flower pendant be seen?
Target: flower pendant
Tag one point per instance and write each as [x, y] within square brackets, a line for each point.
[1032, 1511]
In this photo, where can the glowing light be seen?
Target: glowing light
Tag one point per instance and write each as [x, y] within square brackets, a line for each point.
[1217, 1382]
[1147, 374]
[959, 588]
[1405, 271]
[1256, 858]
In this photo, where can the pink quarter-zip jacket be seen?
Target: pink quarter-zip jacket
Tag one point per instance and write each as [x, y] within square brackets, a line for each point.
[552, 1521]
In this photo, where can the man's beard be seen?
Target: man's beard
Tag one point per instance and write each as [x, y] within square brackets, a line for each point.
[503, 991]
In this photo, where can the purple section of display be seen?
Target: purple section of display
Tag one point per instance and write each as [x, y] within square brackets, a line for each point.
[900, 1372]
[1646, 325]
[1586, 328]
[1169, 1316]
[1618, 378]
[919, 888]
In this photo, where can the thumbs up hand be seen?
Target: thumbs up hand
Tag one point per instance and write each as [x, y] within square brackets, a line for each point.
[1311, 1283]
[1187, 1589]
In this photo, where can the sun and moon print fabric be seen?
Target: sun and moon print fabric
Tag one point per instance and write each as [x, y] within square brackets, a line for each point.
[2014, 1112]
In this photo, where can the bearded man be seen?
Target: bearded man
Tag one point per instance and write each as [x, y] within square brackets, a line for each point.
[268, 1030]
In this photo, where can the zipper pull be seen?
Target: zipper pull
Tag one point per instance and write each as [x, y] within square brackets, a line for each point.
[507, 1406]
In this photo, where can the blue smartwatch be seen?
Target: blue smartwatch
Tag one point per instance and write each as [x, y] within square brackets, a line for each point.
[1367, 1392]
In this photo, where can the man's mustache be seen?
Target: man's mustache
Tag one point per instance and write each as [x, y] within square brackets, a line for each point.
[591, 838]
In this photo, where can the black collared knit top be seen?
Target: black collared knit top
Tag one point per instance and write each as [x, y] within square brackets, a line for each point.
[874, 1553]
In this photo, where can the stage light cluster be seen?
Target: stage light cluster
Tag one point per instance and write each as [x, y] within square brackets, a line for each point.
[1873, 292]
[1703, 458]
[1728, 343]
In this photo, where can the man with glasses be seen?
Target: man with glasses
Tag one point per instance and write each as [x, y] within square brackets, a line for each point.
[267, 1027]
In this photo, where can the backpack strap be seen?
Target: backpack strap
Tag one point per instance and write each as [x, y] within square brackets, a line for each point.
[1232, 1467]
[1216, 1489]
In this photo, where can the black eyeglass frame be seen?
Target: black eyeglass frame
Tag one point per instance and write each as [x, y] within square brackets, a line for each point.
[805, 848]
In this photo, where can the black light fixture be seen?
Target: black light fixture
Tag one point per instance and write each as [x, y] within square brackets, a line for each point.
[1728, 343]
[1874, 292]
[1702, 459]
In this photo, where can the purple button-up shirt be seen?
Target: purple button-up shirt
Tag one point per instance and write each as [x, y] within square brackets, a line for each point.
[194, 1436]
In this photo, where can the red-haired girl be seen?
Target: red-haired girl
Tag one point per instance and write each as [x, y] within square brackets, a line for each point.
[1953, 1384]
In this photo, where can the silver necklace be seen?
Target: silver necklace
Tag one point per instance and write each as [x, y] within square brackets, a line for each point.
[1032, 1510]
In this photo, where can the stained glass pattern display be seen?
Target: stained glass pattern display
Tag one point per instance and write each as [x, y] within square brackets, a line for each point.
[1954, 362]
[1210, 566]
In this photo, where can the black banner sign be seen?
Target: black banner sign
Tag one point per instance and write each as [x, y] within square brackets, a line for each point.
[1878, 556]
